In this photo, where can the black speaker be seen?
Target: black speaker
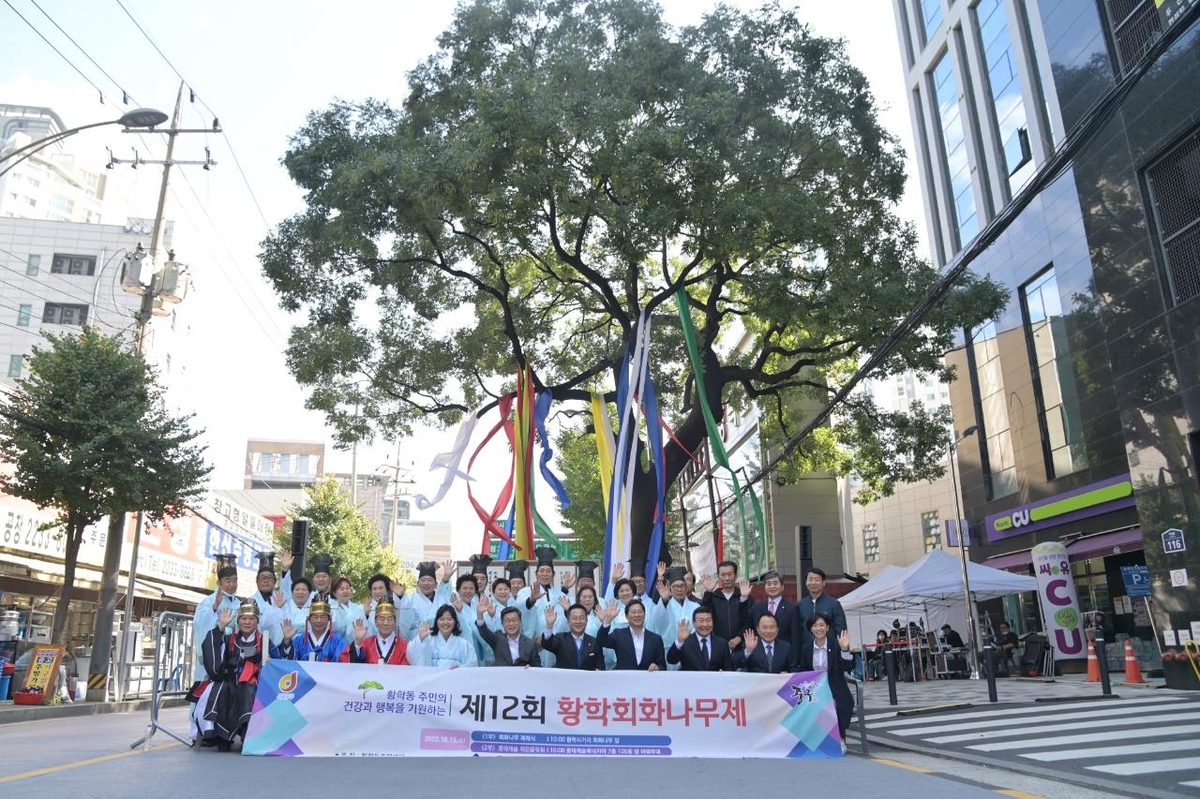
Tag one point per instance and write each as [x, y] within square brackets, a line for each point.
[804, 544]
[300, 529]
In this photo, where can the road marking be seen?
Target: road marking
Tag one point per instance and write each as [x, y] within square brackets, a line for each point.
[1087, 738]
[1141, 722]
[1113, 751]
[1149, 766]
[91, 761]
[1191, 783]
[1034, 714]
[980, 714]
[905, 766]
[1013, 792]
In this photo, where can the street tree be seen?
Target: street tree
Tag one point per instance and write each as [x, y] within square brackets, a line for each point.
[88, 435]
[341, 531]
[558, 171]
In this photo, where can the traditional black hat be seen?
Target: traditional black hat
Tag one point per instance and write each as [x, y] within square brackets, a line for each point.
[675, 573]
[480, 563]
[226, 565]
[266, 562]
[585, 568]
[664, 556]
[516, 568]
[322, 564]
[545, 556]
[427, 568]
[637, 566]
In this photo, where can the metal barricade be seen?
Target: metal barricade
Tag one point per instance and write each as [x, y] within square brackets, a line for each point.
[171, 675]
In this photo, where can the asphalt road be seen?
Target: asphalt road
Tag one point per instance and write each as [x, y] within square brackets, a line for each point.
[90, 757]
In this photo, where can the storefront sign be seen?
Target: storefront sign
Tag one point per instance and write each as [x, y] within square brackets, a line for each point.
[21, 524]
[334, 709]
[1173, 541]
[43, 669]
[1060, 602]
[1082, 503]
[1136, 579]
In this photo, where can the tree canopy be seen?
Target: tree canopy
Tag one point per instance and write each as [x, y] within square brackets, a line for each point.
[557, 172]
[88, 435]
[341, 531]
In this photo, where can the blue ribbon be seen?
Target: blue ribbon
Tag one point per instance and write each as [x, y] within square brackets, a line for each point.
[541, 409]
[654, 433]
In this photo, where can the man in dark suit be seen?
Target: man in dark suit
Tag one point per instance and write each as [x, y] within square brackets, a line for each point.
[637, 648]
[775, 605]
[814, 601]
[574, 649]
[765, 652]
[729, 599]
[702, 651]
[511, 648]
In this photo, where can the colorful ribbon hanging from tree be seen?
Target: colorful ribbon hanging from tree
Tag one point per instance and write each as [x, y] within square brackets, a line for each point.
[604, 444]
[716, 445]
[541, 410]
[523, 463]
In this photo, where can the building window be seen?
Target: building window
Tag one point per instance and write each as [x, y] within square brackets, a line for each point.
[1000, 466]
[73, 264]
[33, 265]
[1053, 377]
[405, 511]
[871, 543]
[24, 315]
[15, 362]
[931, 530]
[931, 17]
[1174, 184]
[57, 313]
[954, 150]
[1008, 106]
[1135, 25]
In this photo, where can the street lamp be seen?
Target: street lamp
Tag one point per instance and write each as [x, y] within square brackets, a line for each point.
[972, 637]
[137, 118]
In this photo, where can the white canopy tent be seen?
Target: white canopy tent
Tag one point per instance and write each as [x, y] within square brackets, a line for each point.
[929, 591]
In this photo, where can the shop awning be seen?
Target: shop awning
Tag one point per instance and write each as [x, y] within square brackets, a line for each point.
[174, 592]
[1011, 561]
[49, 571]
[1097, 546]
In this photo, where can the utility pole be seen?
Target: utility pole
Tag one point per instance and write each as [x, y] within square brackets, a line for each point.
[161, 282]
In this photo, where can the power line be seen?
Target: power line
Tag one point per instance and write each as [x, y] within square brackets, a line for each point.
[55, 49]
[126, 96]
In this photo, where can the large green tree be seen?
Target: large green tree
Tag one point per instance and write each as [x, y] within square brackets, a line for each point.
[340, 530]
[557, 172]
[88, 435]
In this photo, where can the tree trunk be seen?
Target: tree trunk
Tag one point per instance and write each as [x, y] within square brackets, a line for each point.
[105, 609]
[74, 540]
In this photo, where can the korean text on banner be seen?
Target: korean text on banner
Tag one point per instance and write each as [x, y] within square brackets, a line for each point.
[356, 710]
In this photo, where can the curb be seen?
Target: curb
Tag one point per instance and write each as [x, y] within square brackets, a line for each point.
[16, 714]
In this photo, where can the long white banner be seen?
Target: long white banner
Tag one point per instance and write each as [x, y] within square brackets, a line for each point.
[355, 710]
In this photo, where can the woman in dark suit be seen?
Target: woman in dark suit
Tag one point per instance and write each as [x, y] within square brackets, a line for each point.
[834, 657]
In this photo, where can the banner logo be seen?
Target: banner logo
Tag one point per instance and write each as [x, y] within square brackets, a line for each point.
[287, 684]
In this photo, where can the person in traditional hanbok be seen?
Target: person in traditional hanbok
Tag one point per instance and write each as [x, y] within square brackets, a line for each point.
[268, 598]
[317, 642]
[479, 570]
[676, 607]
[209, 610]
[385, 646]
[417, 607]
[295, 609]
[381, 590]
[232, 662]
[345, 610]
[445, 647]
[516, 570]
[464, 599]
[501, 600]
[534, 600]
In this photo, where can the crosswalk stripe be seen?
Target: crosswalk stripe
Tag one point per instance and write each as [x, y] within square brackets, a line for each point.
[1087, 738]
[984, 732]
[1191, 783]
[1114, 751]
[890, 720]
[1149, 766]
[996, 726]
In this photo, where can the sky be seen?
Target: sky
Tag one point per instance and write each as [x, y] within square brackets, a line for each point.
[261, 67]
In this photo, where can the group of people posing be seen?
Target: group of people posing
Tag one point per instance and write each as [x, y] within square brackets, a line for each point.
[453, 621]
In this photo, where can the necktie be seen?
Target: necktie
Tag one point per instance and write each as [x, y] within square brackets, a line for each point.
[770, 656]
[774, 605]
[579, 654]
[704, 650]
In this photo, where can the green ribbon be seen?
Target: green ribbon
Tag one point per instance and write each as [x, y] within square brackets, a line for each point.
[720, 456]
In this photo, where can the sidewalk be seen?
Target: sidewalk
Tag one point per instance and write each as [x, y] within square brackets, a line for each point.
[11, 713]
[1009, 690]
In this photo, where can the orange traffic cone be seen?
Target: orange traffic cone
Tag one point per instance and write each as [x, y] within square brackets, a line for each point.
[1133, 672]
[1093, 672]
